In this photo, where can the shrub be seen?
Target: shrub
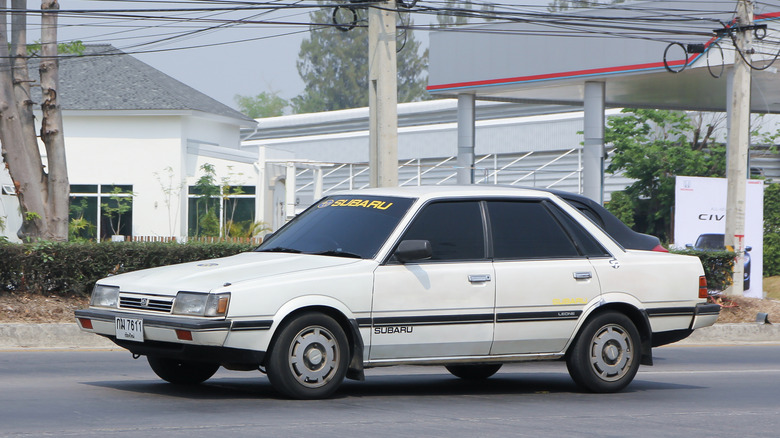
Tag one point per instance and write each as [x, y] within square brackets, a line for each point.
[73, 268]
[718, 266]
[771, 230]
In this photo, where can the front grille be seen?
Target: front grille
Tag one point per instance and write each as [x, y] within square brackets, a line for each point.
[145, 303]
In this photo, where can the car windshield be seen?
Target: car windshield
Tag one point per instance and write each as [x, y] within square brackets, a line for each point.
[341, 226]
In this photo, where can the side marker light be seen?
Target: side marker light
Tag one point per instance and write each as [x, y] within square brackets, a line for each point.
[184, 335]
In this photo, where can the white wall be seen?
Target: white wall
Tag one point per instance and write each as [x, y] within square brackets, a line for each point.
[129, 150]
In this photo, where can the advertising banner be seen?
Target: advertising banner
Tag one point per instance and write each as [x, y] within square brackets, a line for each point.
[700, 222]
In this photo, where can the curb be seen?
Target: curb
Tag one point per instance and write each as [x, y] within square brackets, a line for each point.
[69, 336]
[34, 336]
[745, 333]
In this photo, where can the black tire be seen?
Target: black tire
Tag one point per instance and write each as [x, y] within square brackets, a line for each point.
[309, 358]
[182, 372]
[474, 371]
[606, 354]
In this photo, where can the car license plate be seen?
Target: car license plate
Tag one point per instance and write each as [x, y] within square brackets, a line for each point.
[130, 329]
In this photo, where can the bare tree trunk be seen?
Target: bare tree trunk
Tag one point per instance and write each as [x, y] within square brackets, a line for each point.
[21, 76]
[51, 126]
[24, 164]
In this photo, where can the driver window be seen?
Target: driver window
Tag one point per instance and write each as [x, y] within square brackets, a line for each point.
[453, 228]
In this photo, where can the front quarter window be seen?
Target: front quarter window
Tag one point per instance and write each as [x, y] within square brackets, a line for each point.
[342, 226]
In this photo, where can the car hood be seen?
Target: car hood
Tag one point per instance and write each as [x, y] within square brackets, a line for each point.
[207, 275]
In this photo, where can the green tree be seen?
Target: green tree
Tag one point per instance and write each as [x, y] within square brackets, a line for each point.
[207, 204]
[652, 147]
[117, 207]
[334, 66]
[772, 230]
[564, 5]
[460, 12]
[265, 104]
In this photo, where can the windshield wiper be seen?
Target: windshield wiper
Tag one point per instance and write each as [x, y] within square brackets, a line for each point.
[339, 253]
[281, 249]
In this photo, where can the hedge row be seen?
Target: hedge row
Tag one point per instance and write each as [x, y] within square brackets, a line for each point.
[73, 268]
[718, 266]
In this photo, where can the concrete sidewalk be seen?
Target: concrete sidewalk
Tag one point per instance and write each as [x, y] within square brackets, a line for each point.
[69, 336]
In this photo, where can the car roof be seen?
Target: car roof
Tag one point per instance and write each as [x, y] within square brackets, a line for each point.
[425, 192]
[613, 226]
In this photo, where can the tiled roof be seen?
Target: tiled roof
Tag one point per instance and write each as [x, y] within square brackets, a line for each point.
[106, 78]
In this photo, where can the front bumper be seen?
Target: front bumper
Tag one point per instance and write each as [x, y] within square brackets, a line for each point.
[162, 336]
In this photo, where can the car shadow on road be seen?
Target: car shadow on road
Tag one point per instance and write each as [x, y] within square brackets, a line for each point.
[396, 385]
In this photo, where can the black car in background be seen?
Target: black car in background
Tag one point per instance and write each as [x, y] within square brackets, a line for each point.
[716, 242]
[619, 231]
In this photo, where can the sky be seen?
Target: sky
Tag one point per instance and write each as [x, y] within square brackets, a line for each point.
[222, 70]
[246, 58]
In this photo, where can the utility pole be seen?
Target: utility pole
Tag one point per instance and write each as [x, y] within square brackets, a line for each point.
[738, 144]
[382, 96]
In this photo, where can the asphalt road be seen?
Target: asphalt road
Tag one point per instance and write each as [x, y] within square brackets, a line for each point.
[723, 391]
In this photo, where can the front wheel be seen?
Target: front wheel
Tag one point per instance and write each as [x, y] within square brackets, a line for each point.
[182, 372]
[309, 358]
[605, 356]
[474, 372]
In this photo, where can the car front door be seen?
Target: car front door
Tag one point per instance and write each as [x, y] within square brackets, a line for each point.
[443, 306]
[544, 278]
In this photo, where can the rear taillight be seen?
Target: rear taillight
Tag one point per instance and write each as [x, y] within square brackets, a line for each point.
[703, 292]
[85, 323]
[660, 248]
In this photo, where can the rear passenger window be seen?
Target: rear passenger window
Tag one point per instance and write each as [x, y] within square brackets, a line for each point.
[587, 243]
[454, 229]
[525, 230]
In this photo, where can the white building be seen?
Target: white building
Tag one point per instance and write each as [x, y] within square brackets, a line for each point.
[129, 125]
[516, 144]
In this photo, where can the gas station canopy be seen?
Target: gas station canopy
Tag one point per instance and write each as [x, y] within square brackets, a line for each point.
[644, 53]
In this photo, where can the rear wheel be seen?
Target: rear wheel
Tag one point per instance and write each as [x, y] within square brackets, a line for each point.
[309, 358]
[605, 357]
[182, 372]
[474, 372]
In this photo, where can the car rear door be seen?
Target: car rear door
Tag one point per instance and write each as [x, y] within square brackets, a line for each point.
[544, 279]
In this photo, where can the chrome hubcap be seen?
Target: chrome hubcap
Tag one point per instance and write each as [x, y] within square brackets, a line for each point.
[314, 356]
[611, 353]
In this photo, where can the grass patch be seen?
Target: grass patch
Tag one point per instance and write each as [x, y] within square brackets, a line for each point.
[772, 287]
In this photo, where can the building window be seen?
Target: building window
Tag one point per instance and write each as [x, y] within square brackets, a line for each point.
[112, 204]
[229, 211]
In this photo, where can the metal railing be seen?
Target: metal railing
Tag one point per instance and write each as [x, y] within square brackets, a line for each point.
[488, 169]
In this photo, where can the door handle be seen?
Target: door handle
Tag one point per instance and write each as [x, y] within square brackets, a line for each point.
[479, 278]
[582, 275]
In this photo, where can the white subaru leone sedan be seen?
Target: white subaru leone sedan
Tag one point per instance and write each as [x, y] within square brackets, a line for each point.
[468, 277]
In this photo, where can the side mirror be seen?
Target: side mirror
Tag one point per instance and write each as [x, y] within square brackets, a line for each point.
[689, 245]
[412, 250]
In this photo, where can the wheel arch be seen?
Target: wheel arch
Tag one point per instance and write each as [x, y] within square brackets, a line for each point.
[338, 312]
[637, 316]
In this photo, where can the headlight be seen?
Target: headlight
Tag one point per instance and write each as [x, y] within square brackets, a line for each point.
[104, 296]
[198, 304]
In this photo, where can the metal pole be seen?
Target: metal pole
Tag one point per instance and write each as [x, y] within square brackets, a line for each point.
[738, 146]
[593, 151]
[466, 138]
[382, 96]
